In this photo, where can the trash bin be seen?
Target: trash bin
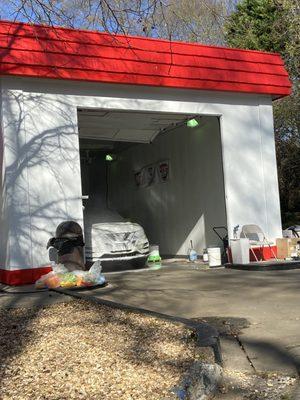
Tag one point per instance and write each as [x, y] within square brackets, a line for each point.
[240, 251]
[214, 256]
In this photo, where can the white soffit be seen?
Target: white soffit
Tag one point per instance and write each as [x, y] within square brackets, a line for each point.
[126, 126]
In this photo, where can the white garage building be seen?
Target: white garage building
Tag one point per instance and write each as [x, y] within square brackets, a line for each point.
[69, 93]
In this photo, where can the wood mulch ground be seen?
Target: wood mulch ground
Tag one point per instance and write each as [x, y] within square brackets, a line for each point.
[78, 351]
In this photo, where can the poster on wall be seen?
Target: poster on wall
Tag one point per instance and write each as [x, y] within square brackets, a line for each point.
[145, 176]
[163, 169]
[149, 174]
[142, 177]
[138, 178]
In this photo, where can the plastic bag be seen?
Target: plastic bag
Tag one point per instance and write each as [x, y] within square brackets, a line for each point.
[50, 280]
[91, 277]
[95, 272]
[59, 268]
[61, 277]
[67, 280]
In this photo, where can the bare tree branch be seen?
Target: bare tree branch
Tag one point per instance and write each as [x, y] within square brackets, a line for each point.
[196, 20]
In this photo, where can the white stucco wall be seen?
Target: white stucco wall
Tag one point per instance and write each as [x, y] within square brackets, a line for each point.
[191, 202]
[41, 174]
[41, 179]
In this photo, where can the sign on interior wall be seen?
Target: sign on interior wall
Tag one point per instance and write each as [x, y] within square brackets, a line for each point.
[163, 169]
[151, 174]
[145, 176]
[138, 178]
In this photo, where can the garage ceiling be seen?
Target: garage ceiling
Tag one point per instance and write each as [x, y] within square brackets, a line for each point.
[126, 126]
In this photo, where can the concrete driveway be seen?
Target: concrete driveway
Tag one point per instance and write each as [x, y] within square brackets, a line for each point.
[260, 309]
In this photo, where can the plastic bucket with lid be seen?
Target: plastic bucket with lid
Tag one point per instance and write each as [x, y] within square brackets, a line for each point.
[154, 254]
[214, 256]
[154, 250]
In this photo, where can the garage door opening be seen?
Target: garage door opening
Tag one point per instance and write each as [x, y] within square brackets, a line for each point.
[162, 171]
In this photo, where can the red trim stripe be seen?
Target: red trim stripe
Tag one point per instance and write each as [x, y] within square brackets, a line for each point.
[23, 276]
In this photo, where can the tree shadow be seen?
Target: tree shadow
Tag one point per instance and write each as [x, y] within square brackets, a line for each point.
[143, 345]
[36, 195]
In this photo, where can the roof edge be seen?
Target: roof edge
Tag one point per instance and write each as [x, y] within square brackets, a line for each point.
[118, 35]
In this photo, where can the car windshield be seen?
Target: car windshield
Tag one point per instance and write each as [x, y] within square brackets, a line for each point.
[96, 211]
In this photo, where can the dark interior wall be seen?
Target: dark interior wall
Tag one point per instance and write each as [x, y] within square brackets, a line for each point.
[188, 205]
[94, 184]
[93, 173]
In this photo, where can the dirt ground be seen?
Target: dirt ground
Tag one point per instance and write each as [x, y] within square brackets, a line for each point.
[257, 315]
[258, 386]
[76, 350]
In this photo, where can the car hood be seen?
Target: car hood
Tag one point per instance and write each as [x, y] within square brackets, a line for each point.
[116, 227]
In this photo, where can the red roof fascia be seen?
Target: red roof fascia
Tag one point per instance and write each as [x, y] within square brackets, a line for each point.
[23, 276]
[63, 53]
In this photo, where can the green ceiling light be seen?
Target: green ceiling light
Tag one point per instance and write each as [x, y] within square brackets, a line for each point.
[192, 123]
[109, 157]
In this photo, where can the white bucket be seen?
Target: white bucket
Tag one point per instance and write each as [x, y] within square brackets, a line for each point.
[214, 256]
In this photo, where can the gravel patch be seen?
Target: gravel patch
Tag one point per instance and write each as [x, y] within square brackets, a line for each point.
[81, 351]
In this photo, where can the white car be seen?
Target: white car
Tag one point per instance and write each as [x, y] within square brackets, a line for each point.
[118, 244]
